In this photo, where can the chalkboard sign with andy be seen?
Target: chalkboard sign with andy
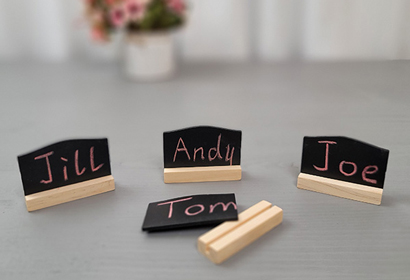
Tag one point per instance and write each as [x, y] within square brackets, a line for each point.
[344, 159]
[64, 163]
[202, 146]
[190, 211]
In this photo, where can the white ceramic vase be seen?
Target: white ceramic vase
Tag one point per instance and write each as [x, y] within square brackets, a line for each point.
[149, 56]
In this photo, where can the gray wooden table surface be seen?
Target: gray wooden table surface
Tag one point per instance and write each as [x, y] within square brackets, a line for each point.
[321, 237]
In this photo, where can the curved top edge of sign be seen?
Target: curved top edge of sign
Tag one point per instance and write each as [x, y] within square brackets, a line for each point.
[201, 127]
[349, 139]
[62, 142]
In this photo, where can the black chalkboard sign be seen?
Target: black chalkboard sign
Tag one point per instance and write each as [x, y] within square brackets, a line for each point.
[64, 163]
[190, 211]
[202, 146]
[344, 159]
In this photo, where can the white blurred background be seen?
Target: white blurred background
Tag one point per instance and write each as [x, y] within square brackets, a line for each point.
[227, 30]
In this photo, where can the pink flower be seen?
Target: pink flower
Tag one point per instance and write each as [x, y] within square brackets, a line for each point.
[135, 9]
[177, 6]
[118, 16]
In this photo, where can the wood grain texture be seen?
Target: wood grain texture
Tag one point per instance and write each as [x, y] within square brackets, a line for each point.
[230, 237]
[202, 174]
[206, 239]
[68, 193]
[340, 188]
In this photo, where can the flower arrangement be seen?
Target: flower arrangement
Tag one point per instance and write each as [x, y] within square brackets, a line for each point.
[107, 16]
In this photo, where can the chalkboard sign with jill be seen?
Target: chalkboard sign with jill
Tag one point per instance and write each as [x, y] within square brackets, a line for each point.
[343, 167]
[202, 153]
[65, 171]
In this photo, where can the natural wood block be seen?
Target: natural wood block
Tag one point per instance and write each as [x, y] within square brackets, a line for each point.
[68, 193]
[229, 238]
[202, 174]
[340, 188]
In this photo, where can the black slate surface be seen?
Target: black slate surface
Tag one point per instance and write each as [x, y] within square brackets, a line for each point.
[180, 145]
[190, 211]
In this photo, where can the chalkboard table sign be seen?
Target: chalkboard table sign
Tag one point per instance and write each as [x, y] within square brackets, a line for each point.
[229, 238]
[201, 154]
[343, 167]
[190, 211]
[65, 171]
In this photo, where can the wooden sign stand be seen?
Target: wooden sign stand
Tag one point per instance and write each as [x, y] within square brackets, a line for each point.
[65, 171]
[343, 167]
[202, 174]
[340, 188]
[68, 193]
[230, 237]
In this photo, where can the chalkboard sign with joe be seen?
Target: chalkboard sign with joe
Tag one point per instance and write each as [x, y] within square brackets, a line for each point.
[343, 167]
[202, 153]
[190, 211]
[65, 171]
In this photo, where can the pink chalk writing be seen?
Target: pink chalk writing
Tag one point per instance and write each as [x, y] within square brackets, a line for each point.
[201, 209]
[93, 169]
[224, 206]
[50, 176]
[367, 170]
[213, 153]
[77, 169]
[217, 151]
[227, 153]
[181, 149]
[171, 203]
[65, 169]
[202, 153]
[76, 165]
[345, 173]
[326, 155]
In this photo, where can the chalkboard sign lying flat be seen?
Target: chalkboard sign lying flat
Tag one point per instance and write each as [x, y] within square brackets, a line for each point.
[202, 153]
[65, 171]
[343, 167]
[190, 211]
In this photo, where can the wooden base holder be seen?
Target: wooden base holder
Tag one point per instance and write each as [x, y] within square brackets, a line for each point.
[202, 174]
[230, 237]
[68, 193]
[340, 188]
